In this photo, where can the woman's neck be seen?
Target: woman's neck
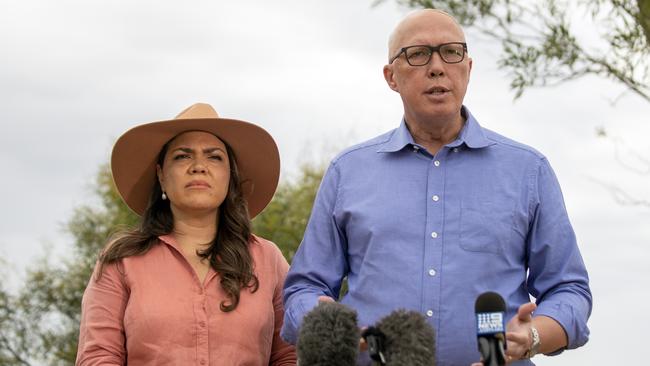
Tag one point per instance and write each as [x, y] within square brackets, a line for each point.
[195, 232]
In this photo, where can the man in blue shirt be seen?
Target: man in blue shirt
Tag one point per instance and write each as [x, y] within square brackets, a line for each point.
[434, 213]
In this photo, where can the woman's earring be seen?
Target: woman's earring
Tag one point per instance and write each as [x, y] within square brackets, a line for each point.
[164, 196]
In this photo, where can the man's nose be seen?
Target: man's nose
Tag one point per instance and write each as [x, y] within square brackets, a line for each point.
[435, 66]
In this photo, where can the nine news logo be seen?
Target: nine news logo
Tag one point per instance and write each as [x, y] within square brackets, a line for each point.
[489, 323]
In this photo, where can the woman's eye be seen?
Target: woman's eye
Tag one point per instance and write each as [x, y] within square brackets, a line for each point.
[216, 157]
[181, 156]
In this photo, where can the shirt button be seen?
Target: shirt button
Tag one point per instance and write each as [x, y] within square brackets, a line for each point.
[416, 148]
[436, 163]
[432, 272]
[202, 362]
[435, 198]
[202, 324]
[429, 313]
[434, 234]
[455, 149]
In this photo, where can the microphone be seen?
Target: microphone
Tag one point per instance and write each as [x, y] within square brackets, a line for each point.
[329, 336]
[401, 338]
[490, 310]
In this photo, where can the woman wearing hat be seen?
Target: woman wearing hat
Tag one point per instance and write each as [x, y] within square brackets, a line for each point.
[192, 285]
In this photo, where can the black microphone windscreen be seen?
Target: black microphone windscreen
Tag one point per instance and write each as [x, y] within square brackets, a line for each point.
[490, 309]
[329, 336]
[489, 302]
[409, 339]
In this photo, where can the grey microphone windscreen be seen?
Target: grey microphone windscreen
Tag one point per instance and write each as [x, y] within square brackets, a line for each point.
[409, 339]
[329, 336]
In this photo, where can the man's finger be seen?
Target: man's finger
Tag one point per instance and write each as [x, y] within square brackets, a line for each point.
[525, 312]
[325, 299]
[517, 338]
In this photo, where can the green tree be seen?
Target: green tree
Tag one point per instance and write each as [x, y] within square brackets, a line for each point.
[540, 48]
[40, 324]
[285, 218]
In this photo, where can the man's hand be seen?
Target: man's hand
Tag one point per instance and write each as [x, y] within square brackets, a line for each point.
[325, 299]
[518, 334]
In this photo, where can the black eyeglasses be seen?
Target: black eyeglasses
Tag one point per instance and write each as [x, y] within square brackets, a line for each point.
[420, 55]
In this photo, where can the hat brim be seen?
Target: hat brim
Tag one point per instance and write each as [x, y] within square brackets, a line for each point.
[133, 161]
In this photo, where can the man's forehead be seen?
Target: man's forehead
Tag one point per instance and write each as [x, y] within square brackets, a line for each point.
[431, 12]
[422, 18]
[447, 29]
[432, 17]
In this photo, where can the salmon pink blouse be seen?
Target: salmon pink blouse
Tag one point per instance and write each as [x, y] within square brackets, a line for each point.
[152, 310]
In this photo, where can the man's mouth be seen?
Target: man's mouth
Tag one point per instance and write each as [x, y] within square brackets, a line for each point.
[437, 90]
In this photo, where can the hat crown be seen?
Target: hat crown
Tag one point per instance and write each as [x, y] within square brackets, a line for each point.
[198, 110]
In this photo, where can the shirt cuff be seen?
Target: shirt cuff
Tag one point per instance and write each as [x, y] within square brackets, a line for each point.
[293, 315]
[571, 319]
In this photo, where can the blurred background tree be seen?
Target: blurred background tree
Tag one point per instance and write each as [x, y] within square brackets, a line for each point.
[40, 324]
[285, 218]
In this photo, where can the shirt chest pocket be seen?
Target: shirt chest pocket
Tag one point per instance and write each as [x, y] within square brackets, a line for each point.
[485, 226]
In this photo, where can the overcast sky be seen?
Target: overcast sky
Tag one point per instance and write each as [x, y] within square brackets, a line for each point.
[74, 75]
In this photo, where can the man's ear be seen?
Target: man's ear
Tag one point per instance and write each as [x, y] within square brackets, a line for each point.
[389, 75]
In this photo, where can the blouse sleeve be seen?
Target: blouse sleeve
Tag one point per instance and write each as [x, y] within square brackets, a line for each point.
[101, 332]
[282, 353]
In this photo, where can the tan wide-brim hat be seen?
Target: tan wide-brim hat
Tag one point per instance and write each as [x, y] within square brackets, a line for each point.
[135, 155]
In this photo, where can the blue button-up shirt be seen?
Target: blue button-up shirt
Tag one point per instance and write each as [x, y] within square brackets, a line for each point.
[431, 233]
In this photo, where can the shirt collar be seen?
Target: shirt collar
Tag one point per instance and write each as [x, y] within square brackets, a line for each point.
[471, 134]
[398, 139]
[170, 240]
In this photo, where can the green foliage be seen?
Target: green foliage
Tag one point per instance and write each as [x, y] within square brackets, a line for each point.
[15, 323]
[541, 48]
[40, 324]
[285, 218]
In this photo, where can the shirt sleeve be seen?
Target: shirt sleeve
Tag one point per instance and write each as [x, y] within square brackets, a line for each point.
[320, 263]
[101, 332]
[282, 353]
[557, 276]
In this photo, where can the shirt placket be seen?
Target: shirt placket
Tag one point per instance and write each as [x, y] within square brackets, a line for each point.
[201, 316]
[434, 236]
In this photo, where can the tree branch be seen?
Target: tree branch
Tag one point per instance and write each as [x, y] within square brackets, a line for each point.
[14, 353]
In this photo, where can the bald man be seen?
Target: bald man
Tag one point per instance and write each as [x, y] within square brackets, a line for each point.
[439, 210]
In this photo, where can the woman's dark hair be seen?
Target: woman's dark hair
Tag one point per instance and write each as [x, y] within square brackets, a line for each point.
[228, 253]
